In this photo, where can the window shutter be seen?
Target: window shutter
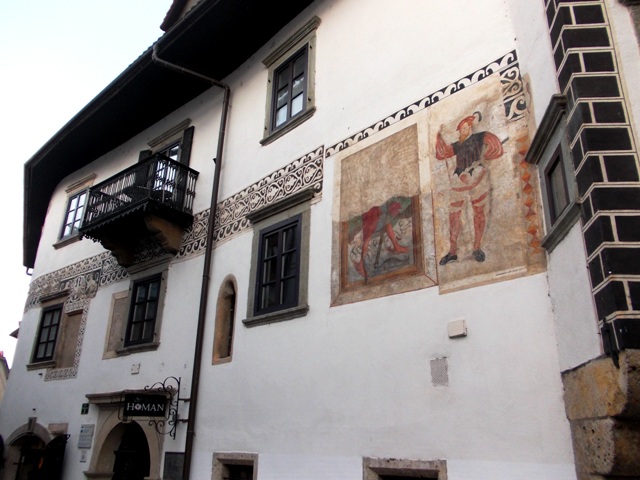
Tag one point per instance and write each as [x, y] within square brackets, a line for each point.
[185, 148]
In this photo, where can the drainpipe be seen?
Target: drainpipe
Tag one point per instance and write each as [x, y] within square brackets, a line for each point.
[208, 254]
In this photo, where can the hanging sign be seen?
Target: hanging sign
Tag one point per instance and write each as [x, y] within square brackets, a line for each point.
[145, 405]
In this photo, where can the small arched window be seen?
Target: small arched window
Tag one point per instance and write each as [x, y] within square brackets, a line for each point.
[225, 318]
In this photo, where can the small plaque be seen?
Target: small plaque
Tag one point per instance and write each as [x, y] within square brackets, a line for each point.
[86, 435]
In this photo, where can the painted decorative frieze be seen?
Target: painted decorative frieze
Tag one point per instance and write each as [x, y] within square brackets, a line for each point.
[514, 100]
[82, 279]
[231, 215]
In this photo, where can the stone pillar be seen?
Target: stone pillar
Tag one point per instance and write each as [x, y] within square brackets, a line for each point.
[602, 403]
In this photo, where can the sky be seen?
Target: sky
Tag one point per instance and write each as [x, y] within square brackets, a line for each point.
[56, 56]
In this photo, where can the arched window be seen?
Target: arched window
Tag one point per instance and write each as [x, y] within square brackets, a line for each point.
[225, 317]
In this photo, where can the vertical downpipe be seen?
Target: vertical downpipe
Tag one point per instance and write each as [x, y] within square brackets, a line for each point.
[204, 288]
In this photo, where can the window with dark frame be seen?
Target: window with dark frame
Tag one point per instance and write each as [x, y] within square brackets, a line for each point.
[277, 280]
[47, 334]
[74, 214]
[558, 192]
[143, 311]
[238, 472]
[289, 89]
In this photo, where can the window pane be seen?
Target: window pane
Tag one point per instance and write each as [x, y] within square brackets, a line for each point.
[298, 86]
[559, 194]
[300, 65]
[269, 270]
[271, 245]
[281, 116]
[288, 291]
[289, 241]
[269, 296]
[282, 77]
[297, 104]
[282, 98]
[289, 265]
[153, 291]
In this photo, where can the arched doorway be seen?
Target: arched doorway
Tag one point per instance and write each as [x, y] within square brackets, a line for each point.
[132, 455]
[24, 457]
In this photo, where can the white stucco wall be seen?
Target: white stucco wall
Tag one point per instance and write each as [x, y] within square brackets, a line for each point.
[313, 395]
[576, 322]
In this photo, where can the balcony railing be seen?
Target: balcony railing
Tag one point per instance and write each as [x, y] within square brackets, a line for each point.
[156, 184]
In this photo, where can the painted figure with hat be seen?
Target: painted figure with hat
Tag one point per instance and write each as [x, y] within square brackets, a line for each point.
[469, 181]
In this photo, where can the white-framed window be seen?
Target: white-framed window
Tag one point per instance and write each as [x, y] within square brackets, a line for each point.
[74, 215]
[77, 195]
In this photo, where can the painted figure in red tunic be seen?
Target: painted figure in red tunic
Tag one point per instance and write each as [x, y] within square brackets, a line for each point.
[469, 181]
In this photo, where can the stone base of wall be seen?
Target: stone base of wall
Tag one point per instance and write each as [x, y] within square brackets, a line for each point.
[603, 407]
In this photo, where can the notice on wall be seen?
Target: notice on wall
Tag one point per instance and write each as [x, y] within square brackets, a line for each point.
[86, 435]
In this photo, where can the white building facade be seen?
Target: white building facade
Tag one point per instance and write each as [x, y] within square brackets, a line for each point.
[356, 242]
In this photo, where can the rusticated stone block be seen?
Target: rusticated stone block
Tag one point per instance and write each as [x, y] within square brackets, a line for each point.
[606, 447]
[599, 389]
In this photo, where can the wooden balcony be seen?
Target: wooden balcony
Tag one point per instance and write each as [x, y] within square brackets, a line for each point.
[152, 199]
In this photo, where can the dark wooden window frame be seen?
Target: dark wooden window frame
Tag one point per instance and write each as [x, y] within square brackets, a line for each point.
[556, 163]
[278, 279]
[300, 43]
[148, 320]
[51, 331]
[288, 67]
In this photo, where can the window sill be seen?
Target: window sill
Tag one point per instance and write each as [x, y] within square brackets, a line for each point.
[221, 361]
[303, 117]
[41, 365]
[279, 316]
[145, 347]
[562, 226]
[63, 242]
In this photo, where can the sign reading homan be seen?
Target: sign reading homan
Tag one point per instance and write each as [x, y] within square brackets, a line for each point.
[145, 405]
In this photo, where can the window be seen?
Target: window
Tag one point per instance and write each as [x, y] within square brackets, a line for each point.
[549, 150]
[278, 267]
[234, 466]
[291, 86]
[135, 316]
[280, 260]
[47, 334]
[143, 311]
[174, 143]
[164, 178]
[225, 318]
[399, 469]
[77, 194]
[558, 190]
[75, 212]
[58, 342]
